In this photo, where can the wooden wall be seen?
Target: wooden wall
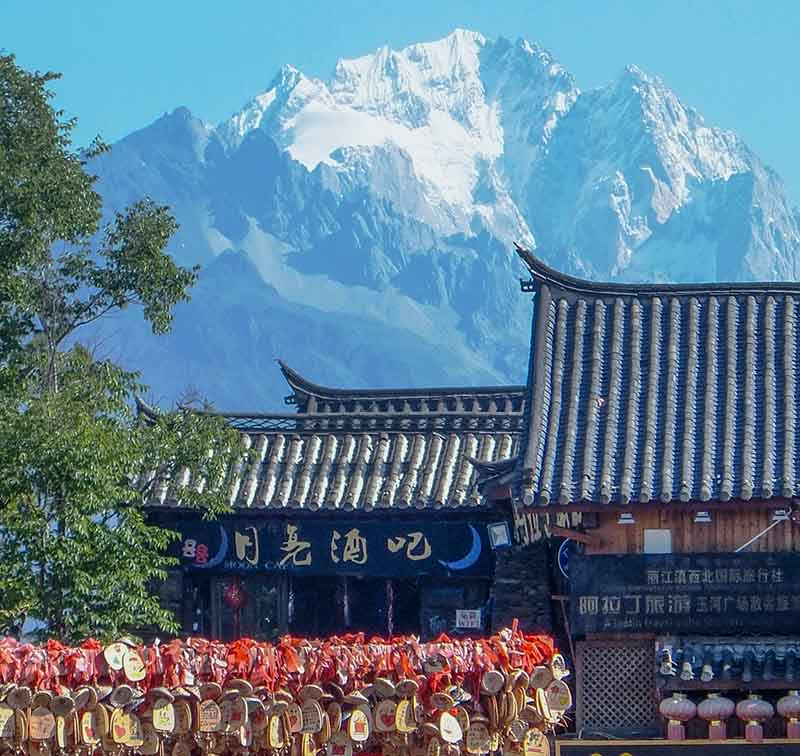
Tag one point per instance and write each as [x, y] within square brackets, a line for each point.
[727, 531]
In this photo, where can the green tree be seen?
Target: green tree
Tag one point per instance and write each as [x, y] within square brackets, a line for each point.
[78, 464]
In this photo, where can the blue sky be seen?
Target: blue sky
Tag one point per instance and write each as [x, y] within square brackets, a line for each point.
[126, 63]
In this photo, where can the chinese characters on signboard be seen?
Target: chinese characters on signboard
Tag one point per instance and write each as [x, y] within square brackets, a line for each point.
[336, 546]
[677, 592]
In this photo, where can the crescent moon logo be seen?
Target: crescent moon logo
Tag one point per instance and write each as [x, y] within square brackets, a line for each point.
[470, 558]
[221, 553]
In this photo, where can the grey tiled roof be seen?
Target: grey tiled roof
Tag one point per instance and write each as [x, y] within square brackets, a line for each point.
[370, 449]
[661, 393]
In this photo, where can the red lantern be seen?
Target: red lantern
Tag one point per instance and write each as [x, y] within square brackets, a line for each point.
[677, 709]
[754, 710]
[789, 708]
[234, 595]
[715, 709]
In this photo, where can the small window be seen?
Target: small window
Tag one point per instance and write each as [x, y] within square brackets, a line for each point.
[657, 541]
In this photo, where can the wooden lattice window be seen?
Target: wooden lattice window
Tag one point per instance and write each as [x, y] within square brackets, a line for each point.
[616, 687]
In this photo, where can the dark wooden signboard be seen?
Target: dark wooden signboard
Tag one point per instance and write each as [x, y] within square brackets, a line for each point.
[685, 748]
[372, 547]
[684, 592]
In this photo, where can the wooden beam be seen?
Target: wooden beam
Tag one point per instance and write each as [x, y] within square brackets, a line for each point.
[575, 535]
[498, 493]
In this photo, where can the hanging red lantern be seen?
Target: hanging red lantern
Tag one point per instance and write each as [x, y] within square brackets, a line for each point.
[754, 710]
[234, 595]
[789, 708]
[715, 709]
[677, 709]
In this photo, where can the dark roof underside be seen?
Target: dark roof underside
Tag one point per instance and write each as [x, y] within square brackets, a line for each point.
[675, 393]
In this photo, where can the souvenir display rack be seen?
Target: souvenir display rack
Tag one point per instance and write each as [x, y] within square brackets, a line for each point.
[299, 697]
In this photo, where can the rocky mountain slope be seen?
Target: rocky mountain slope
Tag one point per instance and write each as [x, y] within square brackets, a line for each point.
[360, 228]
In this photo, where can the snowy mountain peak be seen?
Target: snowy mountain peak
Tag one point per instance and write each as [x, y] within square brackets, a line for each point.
[378, 207]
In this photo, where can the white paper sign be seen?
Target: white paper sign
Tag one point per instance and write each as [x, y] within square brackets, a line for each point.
[468, 619]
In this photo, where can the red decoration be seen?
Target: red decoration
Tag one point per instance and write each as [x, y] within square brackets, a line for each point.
[677, 709]
[715, 709]
[350, 660]
[234, 595]
[754, 710]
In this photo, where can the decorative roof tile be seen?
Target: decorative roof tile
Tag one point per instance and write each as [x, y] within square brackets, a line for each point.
[370, 449]
[663, 393]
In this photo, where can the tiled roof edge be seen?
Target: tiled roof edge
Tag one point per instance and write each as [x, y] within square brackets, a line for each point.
[544, 274]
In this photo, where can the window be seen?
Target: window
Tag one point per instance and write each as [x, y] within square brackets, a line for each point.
[657, 541]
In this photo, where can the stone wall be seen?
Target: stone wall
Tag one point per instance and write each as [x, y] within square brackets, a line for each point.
[522, 588]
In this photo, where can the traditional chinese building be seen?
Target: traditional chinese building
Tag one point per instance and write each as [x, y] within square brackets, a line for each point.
[360, 511]
[666, 418]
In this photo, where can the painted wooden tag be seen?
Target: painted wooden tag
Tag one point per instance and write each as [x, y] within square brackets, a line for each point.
[541, 677]
[295, 715]
[20, 727]
[41, 724]
[209, 716]
[492, 682]
[133, 665]
[339, 745]
[449, 728]
[307, 745]
[404, 720]
[542, 705]
[478, 740]
[233, 712]
[115, 655]
[90, 731]
[517, 730]
[559, 696]
[311, 713]
[334, 712]
[463, 718]
[163, 715]
[259, 719]
[151, 742]
[183, 717]
[535, 743]
[246, 735]
[386, 715]
[358, 726]
[65, 731]
[104, 727]
[135, 737]
[6, 722]
[276, 737]
[434, 747]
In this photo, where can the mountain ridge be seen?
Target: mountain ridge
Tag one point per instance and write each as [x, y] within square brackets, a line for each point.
[390, 195]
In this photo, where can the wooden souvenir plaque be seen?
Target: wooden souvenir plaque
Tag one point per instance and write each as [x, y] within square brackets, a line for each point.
[358, 726]
[311, 713]
[6, 722]
[386, 715]
[41, 724]
[209, 717]
[478, 740]
[163, 716]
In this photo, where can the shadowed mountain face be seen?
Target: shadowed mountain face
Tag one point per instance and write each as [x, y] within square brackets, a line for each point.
[360, 228]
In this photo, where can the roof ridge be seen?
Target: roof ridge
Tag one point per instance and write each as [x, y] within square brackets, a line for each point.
[303, 386]
[545, 274]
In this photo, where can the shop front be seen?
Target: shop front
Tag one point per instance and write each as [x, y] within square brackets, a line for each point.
[317, 576]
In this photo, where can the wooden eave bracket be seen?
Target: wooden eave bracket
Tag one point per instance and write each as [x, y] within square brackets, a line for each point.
[576, 535]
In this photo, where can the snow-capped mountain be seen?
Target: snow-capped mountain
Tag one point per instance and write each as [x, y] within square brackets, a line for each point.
[360, 227]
